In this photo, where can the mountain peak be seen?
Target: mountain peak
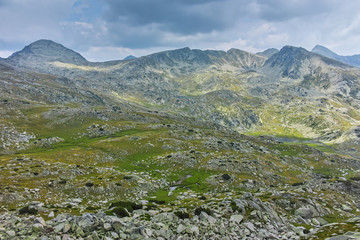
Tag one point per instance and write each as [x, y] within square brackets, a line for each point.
[44, 42]
[320, 47]
[268, 52]
[291, 60]
[293, 48]
[130, 57]
[325, 52]
[288, 55]
[46, 51]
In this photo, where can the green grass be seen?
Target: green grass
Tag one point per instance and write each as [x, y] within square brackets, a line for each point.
[79, 160]
[322, 147]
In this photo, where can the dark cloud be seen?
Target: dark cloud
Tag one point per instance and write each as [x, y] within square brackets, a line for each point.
[144, 23]
[176, 16]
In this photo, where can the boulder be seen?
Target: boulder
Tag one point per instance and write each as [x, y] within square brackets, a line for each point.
[305, 213]
[236, 218]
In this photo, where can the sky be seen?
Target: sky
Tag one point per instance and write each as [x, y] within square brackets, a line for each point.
[104, 30]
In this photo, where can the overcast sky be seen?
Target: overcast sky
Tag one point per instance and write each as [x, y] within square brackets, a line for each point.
[112, 29]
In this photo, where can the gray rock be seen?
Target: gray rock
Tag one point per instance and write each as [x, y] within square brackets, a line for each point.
[321, 221]
[203, 216]
[250, 226]
[305, 213]
[95, 236]
[11, 233]
[107, 226]
[117, 225]
[85, 222]
[123, 236]
[211, 219]
[148, 232]
[263, 234]
[114, 235]
[40, 220]
[346, 208]
[58, 228]
[315, 221]
[66, 237]
[79, 231]
[181, 228]
[194, 230]
[135, 230]
[51, 214]
[37, 227]
[236, 218]
[67, 227]
[354, 220]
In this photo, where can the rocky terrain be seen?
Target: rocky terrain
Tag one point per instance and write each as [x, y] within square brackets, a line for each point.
[182, 144]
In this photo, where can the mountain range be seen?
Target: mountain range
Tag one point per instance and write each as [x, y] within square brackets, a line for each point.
[236, 89]
[266, 144]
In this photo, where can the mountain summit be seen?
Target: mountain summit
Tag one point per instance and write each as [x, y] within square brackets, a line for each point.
[324, 51]
[268, 52]
[295, 62]
[45, 51]
[130, 57]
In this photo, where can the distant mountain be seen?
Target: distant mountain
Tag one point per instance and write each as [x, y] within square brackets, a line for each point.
[268, 52]
[353, 60]
[45, 51]
[130, 57]
[325, 52]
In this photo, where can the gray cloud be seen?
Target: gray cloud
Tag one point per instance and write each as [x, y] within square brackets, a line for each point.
[185, 17]
[143, 23]
[27, 21]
